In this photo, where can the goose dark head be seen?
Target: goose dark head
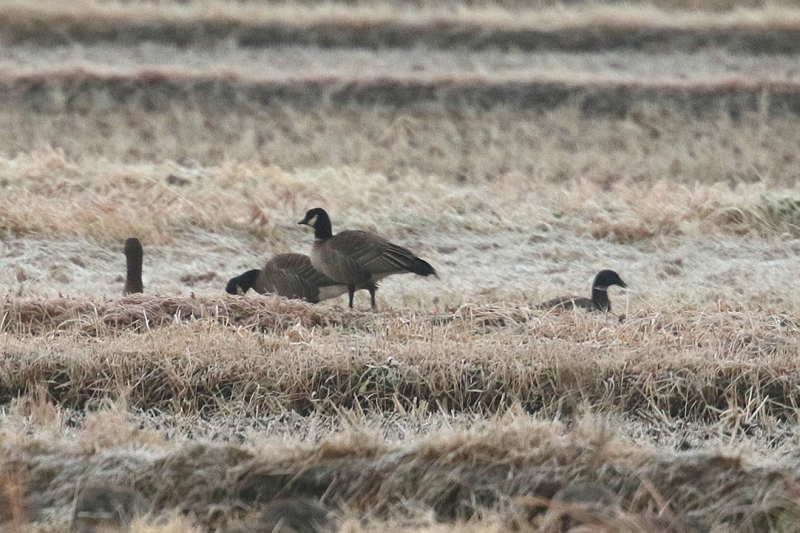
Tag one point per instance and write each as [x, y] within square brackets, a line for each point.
[242, 283]
[133, 249]
[607, 278]
[318, 219]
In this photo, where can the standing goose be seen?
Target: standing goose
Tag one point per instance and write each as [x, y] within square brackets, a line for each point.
[290, 276]
[358, 259]
[133, 258]
[599, 300]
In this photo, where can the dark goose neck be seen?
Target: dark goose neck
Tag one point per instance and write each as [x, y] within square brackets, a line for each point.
[600, 298]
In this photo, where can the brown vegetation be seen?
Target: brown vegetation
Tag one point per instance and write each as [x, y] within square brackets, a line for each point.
[460, 406]
[391, 24]
[615, 182]
[187, 355]
[77, 89]
[505, 471]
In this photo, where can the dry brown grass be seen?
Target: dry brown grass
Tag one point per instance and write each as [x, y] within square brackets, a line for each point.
[189, 355]
[510, 168]
[460, 400]
[222, 88]
[394, 24]
[141, 313]
[501, 473]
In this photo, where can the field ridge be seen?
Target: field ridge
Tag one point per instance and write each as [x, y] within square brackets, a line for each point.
[506, 469]
[190, 352]
[769, 31]
[79, 88]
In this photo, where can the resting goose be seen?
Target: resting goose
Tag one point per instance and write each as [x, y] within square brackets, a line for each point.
[599, 300]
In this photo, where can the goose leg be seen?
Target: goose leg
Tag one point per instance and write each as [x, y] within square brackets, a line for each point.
[372, 290]
[351, 290]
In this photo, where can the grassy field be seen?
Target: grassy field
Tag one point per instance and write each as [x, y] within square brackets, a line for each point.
[517, 148]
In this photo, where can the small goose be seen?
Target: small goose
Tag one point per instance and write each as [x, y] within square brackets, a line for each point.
[290, 276]
[599, 300]
[358, 259]
[133, 258]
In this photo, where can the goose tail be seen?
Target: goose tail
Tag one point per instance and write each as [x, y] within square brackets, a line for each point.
[421, 267]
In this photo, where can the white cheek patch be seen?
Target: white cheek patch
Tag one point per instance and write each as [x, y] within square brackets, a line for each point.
[313, 221]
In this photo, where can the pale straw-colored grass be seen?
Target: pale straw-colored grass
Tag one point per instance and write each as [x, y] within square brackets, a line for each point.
[587, 191]
[189, 354]
[102, 18]
[459, 399]
[502, 473]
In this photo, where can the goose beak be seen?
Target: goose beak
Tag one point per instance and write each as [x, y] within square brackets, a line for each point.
[622, 284]
[309, 221]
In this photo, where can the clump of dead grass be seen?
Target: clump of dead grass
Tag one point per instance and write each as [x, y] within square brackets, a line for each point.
[190, 355]
[49, 193]
[773, 213]
[507, 471]
[107, 202]
[144, 312]
[13, 501]
[630, 213]
[173, 523]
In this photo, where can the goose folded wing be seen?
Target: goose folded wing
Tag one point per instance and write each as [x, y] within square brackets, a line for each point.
[299, 266]
[373, 253]
[568, 302]
[289, 285]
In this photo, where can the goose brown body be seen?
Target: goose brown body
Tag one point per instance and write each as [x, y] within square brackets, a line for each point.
[133, 259]
[290, 276]
[599, 300]
[358, 259]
